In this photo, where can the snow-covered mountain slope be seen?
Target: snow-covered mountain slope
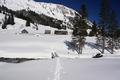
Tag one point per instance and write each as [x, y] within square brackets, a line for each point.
[34, 44]
[57, 11]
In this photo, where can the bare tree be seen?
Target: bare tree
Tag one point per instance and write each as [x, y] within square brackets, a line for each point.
[103, 23]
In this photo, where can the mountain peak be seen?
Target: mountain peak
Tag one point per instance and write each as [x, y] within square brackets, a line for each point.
[57, 11]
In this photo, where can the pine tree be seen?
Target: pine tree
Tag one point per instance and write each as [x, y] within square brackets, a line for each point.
[0, 9]
[4, 25]
[94, 29]
[9, 19]
[12, 19]
[28, 22]
[103, 23]
[78, 36]
[112, 29]
[36, 26]
[83, 11]
[113, 23]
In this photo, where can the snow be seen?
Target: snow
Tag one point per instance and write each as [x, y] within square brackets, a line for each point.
[34, 70]
[89, 23]
[31, 46]
[58, 68]
[62, 69]
[91, 69]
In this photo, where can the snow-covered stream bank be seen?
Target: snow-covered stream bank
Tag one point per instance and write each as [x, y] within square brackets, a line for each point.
[62, 69]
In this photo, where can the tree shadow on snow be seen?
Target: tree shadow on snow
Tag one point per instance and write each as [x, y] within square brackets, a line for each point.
[71, 46]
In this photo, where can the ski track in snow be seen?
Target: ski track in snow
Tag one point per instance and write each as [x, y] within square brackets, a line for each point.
[57, 69]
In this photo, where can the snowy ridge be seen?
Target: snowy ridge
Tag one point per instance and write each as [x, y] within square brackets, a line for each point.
[57, 11]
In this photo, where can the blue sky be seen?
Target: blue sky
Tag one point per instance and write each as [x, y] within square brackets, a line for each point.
[92, 6]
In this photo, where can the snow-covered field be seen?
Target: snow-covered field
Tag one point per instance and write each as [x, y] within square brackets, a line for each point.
[32, 46]
[62, 69]
[40, 45]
